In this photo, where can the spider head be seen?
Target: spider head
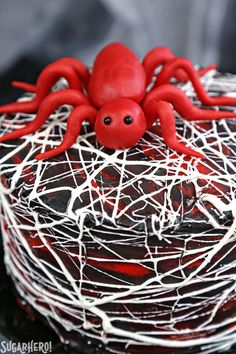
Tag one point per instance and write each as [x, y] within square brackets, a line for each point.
[120, 124]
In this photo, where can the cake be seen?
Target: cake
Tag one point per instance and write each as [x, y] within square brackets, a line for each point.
[126, 251]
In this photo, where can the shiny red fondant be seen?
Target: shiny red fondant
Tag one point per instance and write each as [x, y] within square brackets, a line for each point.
[115, 99]
[127, 124]
[116, 73]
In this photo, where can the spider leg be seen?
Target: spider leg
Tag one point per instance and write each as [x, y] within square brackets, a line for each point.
[167, 119]
[79, 67]
[75, 120]
[46, 80]
[182, 76]
[205, 70]
[47, 107]
[176, 64]
[24, 86]
[156, 57]
[159, 56]
[181, 104]
[24, 107]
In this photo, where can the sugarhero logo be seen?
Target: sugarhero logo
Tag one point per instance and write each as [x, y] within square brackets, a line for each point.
[26, 347]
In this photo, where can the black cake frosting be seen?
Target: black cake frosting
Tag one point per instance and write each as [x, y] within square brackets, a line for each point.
[128, 251]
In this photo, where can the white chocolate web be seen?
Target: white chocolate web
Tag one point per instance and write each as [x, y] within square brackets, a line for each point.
[133, 248]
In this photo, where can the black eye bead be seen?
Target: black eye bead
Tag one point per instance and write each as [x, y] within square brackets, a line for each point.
[107, 120]
[128, 120]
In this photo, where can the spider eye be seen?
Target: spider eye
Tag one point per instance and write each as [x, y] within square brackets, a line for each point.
[128, 120]
[107, 120]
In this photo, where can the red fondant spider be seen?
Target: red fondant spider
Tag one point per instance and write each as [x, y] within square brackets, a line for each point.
[114, 98]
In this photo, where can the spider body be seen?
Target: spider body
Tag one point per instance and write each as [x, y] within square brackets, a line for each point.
[117, 73]
[115, 100]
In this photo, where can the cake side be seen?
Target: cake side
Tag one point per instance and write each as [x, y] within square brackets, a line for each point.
[132, 248]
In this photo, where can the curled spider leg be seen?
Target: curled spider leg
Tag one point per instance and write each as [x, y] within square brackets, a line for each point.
[182, 76]
[169, 70]
[81, 70]
[47, 107]
[165, 113]
[74, 123]
[155, 58]
[159, 56]
[180, 102]
[46, 80]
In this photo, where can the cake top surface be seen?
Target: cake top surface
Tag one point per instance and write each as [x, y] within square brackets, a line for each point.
[147, 188]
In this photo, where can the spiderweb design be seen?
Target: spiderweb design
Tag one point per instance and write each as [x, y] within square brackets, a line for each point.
[128, 251]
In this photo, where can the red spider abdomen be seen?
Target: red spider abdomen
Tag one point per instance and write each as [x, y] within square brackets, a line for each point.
[117, 73]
